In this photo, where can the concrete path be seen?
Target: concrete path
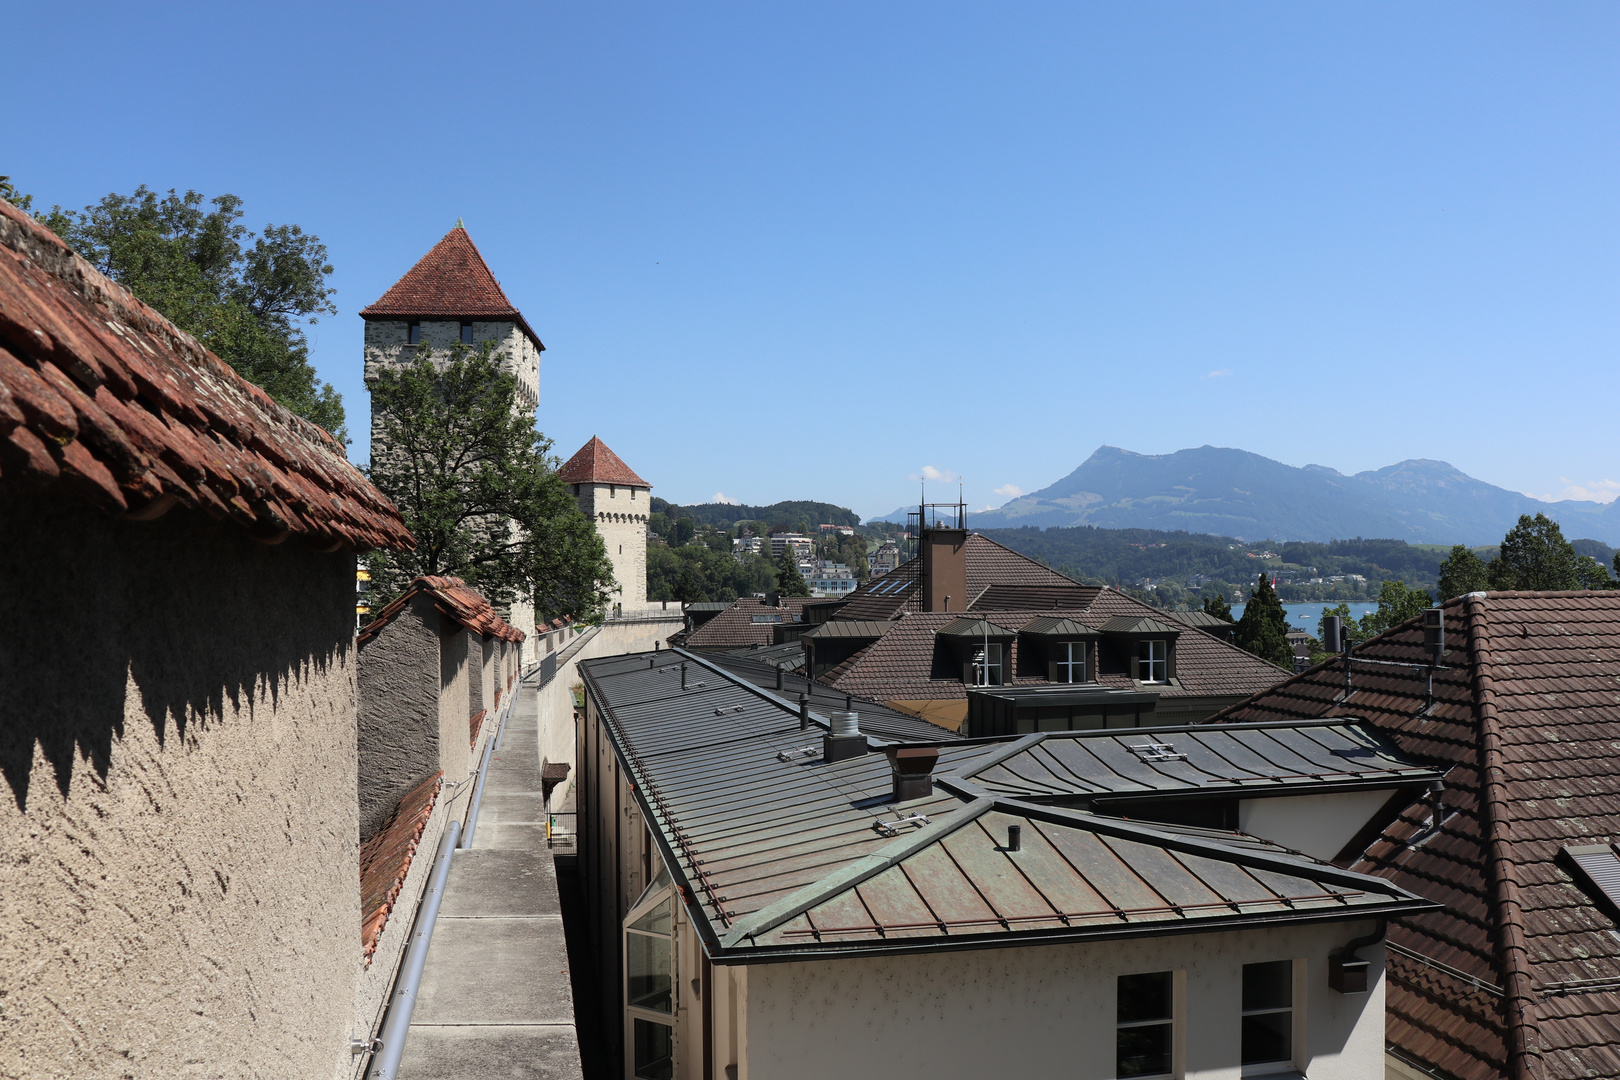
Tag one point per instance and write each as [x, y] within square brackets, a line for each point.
[496, 998]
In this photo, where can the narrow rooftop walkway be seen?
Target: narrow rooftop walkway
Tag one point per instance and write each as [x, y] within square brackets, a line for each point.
[496, 999]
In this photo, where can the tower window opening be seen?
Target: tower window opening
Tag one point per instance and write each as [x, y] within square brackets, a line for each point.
[413, 333]
[466, 333]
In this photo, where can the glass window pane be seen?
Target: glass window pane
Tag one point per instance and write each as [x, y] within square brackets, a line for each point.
[654, 1050]
[655, 921]
[1268, 1037]
[1144, 997]
[1268, 986]
[1143, 1051]
[647, 970]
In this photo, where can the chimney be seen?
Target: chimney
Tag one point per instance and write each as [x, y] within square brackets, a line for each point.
[944, 568]
[773, 599]
[913, 771]
[1332, 629]
[779, 678]
[804, 712]
[1434, 635]
[845, 739]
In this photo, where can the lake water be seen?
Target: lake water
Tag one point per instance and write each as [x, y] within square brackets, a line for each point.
[1306, 616]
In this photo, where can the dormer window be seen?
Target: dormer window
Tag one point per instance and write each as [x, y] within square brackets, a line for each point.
[1069, 661]
[466, 333]
[413, 333]
[1152, 661]
[985, 664]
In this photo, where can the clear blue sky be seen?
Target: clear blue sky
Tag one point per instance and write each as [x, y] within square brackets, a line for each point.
[807, 251]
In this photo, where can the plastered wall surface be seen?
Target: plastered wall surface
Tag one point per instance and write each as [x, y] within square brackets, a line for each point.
[399, 711]
[1318, 825]
[454, 699]
[179, 829]
[620, 515]
[1046, 1011]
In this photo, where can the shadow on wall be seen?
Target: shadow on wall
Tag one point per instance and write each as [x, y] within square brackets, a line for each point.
[193, 611]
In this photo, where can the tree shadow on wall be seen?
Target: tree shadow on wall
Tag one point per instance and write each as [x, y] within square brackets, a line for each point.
[200, 617]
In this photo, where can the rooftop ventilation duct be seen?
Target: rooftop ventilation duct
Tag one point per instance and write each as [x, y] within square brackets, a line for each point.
[773, 599]
[844, 739]
[913, 768]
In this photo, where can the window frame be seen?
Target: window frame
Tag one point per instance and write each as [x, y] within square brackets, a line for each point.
[998, 665]
[1172, 1022]
[1293, 1010]
[466, 333]
[1064, 662]
[660, 891]
[413, 333]
[1146, 664]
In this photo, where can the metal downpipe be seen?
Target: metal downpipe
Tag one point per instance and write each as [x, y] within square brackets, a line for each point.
[385, 1063]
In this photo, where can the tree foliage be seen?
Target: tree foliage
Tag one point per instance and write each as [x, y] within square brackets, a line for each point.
[1263, 630]
[1535, 556]
[696, 572]
[789, 582]
[1217, 606]
[244, 295]
[1396, 604]
[475, 485]
[1463, 572]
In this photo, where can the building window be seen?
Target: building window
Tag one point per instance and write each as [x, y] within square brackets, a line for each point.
[466, 333]
[649, 973]
[613, 492]
[1071, 661]
[413, 333]
[1146, 1025]
[1268, 1016]
[1152, 665]
[985, 661]
[621, 549]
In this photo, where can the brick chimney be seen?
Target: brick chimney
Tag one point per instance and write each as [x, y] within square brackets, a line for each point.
[944, 569]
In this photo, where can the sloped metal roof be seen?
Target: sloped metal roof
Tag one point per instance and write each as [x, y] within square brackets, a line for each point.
[1252, 759]
[776, 849]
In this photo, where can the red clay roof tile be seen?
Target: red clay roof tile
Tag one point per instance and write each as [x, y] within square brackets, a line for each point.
[102, 396]
[454, 598]
[452, 281]
[385, 859]
[596, 464]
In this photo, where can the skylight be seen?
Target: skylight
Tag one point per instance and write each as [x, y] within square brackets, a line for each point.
[1597, 866]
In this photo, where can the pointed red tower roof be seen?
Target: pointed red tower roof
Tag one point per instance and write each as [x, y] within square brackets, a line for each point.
[596, 464]
[450, 282]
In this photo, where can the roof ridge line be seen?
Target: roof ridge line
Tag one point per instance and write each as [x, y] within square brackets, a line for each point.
[853, 874]
[1513, 950]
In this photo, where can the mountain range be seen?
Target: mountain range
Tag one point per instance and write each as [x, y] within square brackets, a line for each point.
[1234, 493]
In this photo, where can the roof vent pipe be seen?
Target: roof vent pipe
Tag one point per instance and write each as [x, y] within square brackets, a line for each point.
[779, 677]
[913, 769]
[804, 712]
[683, 676]
[844, 739]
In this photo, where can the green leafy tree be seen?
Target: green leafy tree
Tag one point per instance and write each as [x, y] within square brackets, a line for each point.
[1263, 630]
[1396, 604]
[1462, 572]
[475, 485]
[789, 582]
[1591, 573]
[9, 192]
[245, 295]
[1536, 557]
[1215, 604]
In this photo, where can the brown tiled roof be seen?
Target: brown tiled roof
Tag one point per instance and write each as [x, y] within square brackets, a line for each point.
[900, 666]
[594, 463]
[1522, 965]
[735, 628]
[452, 281]
[385, 859]
[455, 599]
[102, 396]
[998, 578]
[476, 721]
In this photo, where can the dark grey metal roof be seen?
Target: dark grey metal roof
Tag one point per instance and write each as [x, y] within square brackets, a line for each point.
[839, 628]
[785, 856]
[1131, 624]
[975, 628]
[707, 605]
[1101, 767]
[1048, 626]
[788, 655]
[875, 718]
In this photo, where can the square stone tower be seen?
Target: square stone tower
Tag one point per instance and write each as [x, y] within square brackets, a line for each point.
[618, 501]
[451, 296]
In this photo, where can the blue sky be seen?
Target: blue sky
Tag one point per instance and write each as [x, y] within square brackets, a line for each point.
[812, 251]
